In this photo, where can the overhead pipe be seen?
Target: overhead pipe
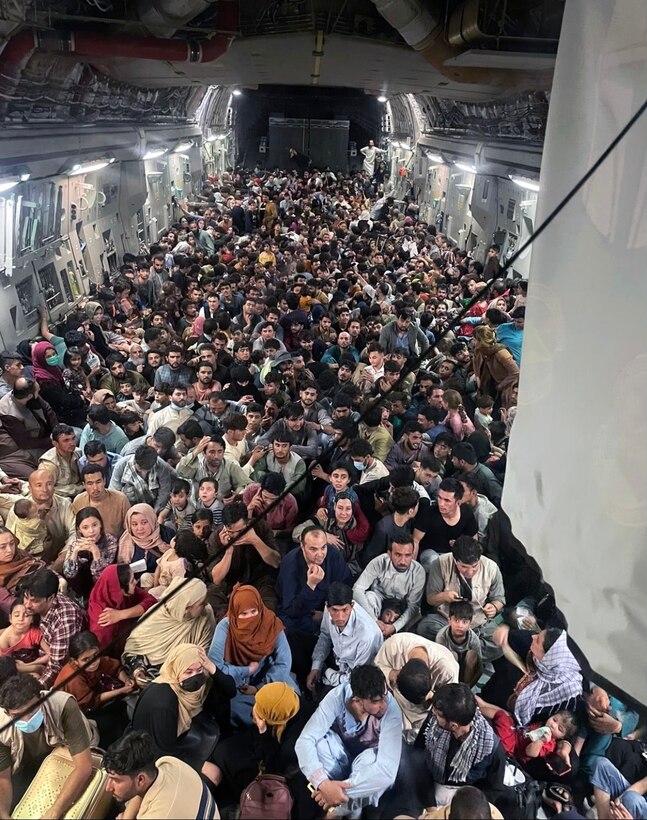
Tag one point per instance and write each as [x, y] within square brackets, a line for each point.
[425, 34]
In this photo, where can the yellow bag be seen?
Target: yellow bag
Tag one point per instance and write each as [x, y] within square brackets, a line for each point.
[43, 790]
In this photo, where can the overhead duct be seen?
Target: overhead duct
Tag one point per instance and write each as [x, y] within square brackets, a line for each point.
[164, 17]
[425, 34]
[19, 49]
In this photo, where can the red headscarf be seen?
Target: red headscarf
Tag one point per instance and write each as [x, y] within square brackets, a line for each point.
[108, 594]
[44, 372]
[250, 639]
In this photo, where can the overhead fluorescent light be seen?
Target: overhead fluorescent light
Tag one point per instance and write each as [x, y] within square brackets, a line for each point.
[526, 184]
[470, 169]
[382, 98]
[8, 184]
[434, 157]
[182, 147]
[154, 153]
[236, 92]
[89, 167]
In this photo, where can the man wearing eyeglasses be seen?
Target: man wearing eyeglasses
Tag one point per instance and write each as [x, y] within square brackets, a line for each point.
[349, 751]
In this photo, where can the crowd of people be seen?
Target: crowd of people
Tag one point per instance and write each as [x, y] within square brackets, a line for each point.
[251, 495]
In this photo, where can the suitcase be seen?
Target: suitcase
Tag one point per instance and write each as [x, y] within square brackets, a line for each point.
[94, 803]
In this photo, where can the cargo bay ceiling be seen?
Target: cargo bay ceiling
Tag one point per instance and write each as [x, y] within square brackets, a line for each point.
[466, 66]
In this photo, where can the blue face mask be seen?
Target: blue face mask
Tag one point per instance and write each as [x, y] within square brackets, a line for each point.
[359, 465]
[33, 724]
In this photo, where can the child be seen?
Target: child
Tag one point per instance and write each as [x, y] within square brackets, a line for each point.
[339, 479]
[179, 508]
[23, 641]
[463, 642]
[457, 420]
[126, 385]
[483, 413]
[74, 377]
[30, 528]
[202, 524]
[392, 609]
[208, 498]
[538, 740]
[96, 681]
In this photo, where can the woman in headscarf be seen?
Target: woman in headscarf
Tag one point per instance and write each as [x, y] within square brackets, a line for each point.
[15, 566]
[142, 539]
[25, 348]
[95, 313]
[551, 680]
[69, 407]
[189, 686]
[183, 616]
[496, 371]
[105, 398]
[250, 645]
[114, 605]
[278, 716]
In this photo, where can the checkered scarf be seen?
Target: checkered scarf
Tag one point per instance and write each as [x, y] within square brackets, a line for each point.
[477, 745]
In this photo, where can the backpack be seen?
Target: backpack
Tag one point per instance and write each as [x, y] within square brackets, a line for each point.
[527, 800]
[266, 798]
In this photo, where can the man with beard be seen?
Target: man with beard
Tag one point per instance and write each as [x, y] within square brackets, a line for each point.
[173, 415]
[392, 575]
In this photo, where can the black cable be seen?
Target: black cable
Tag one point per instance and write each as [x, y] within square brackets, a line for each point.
[377, 400]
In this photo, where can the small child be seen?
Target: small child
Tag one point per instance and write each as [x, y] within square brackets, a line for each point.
[202, 524]
[538, 740]
[483, 413]
[462, 642]
[457, 420]
[392, 609]
[126, 386]
[23, 641]
[208, 498]
[339, 479]
[179, 508]
[30, 529]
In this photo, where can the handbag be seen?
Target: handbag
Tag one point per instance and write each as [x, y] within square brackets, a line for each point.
[266, 798]
[93, 804]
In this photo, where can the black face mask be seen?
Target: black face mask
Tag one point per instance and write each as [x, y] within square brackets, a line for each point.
[194, 683]
[33, 404]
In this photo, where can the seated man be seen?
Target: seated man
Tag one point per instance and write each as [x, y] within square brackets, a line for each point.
[101, 427]
[404, 502]
[247, 558]
[95, 453]
[464, 574]
[59, 618]
[293, 422]
[207, 460]
[279, 459]
[349, 633]
[438, 526]
[55, 510]
[414, 668]
[150, 788]
[305, 576]
[392, 575]
[63, 462]
[460, 748]
[111, 504]
[467, 802]
[144, 478]
[36, 727]
[349, 750]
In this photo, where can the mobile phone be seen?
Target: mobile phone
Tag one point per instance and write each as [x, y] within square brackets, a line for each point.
[557, 764]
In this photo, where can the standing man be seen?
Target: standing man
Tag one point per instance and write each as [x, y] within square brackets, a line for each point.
[370, 153]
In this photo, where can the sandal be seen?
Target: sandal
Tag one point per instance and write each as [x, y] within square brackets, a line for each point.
[558, 797]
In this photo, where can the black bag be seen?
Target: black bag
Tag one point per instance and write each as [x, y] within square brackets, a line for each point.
[525, 800]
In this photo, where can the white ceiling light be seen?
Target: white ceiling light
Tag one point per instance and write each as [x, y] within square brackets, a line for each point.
[434, 157]
[89, 167]
[8, 184]
[395, 144]
[24, 177]
[236, 92]
[382, 98]
[155, 153]
[526, 184]
[181, 147]
[470, 169]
